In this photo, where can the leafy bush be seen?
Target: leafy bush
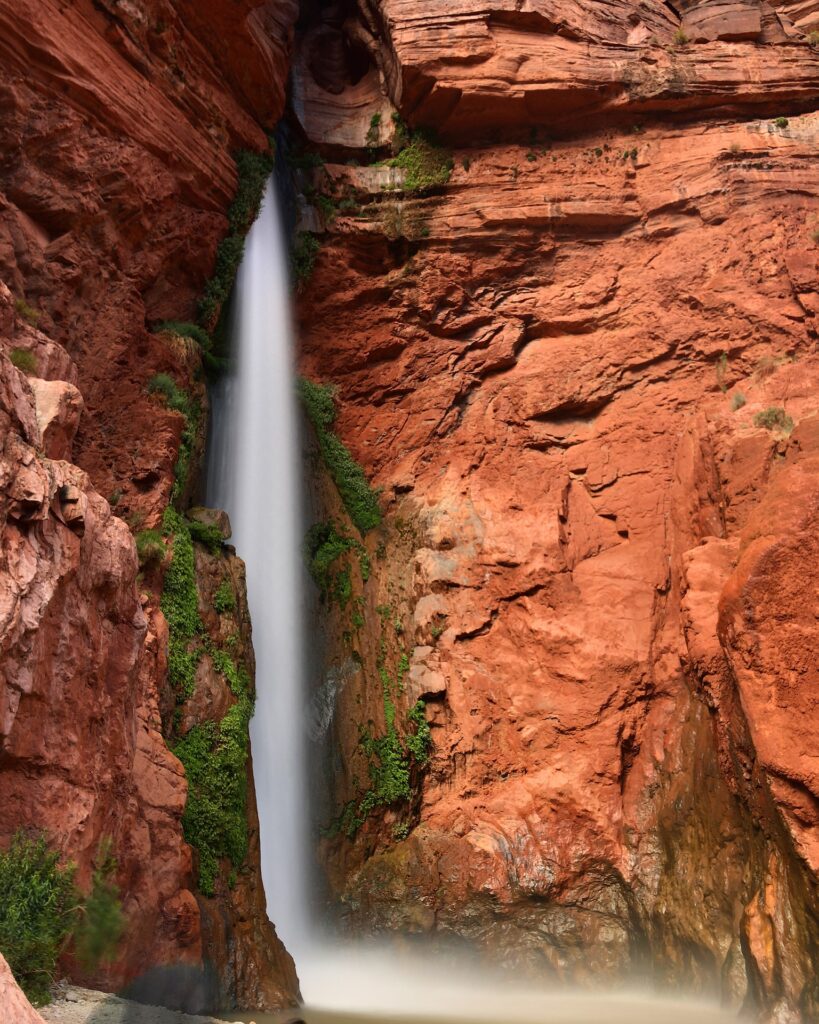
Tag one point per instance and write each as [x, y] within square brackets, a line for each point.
[781, 122]
[150, 546]
[303, 256]
[24, 360]
[738, 401]
[680, 38]
[427, 165]
[253, 171]
[224, 600]
[38, 909]
[215, 760]
[774, 418]
[28, 313]
[180, 606]
[359, 498]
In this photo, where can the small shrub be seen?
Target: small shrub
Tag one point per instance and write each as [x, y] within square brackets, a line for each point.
[24, 360]
[722, 369]
[303, 256]
[224, 600]
[115, 497]
[781, 122]
[735, 148]
[427, 164]
[813, 37]
[531, 157]
[374, 131]
[38, 908]
[359, 498]
[175, 397]
[738, 401]
[774, 418]
[466, 163]
[102, 922]
[185, 330]
[326, 207]
[680, 38]
[150, 546]
[26, 312]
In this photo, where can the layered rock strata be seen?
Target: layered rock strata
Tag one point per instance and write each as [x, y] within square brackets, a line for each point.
[584, 375]
[120, 122]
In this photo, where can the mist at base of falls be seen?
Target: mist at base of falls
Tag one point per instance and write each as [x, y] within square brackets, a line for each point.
[254, 474]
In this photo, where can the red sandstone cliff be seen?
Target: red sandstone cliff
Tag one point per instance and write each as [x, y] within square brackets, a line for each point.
[117, 133]
[598, 556]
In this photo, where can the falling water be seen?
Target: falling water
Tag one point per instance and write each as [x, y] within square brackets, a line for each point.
[253, 473]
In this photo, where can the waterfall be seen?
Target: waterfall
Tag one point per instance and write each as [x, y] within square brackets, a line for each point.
[253, 473]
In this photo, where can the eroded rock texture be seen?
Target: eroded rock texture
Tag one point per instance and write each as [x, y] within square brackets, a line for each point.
[598, 554]
[118, 128]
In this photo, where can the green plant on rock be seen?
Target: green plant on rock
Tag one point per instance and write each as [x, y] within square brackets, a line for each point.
[359, 498]
[215, 761]
[781, 122]
[150, 547]
[324, 546]
[24, 360]
[253, 170]
[101, 922]
[303, 256]
[206, 534]
[179, 400]
[38, 910]
[374, 131]
[722, 370]
[180, 606]
[680, 38]
[27, 312]
[774, 418]
[737, 401]
[427, 165]
[224, 600]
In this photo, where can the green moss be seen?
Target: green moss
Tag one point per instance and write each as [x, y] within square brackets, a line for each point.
[303, 255]
[207, 534]
[215, 760]
[253, 170]
[774, 418]
[224, 600]
[359, 498]
[427, 165]
[180, 606]
[150, 546]
[38, 910]
[24, 360]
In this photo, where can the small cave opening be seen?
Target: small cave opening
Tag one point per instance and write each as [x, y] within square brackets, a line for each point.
[336, 56]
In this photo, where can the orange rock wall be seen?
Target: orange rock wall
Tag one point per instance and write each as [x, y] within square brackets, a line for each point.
[601, 564]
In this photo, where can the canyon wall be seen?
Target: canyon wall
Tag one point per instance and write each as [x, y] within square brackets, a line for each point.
[583, 375]
[120, 121]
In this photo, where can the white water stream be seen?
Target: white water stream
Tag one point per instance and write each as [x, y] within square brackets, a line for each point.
[254, 474]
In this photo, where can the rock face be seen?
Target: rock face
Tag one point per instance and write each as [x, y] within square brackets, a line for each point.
[118, 129]
[15, 1005]
[584, 374]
